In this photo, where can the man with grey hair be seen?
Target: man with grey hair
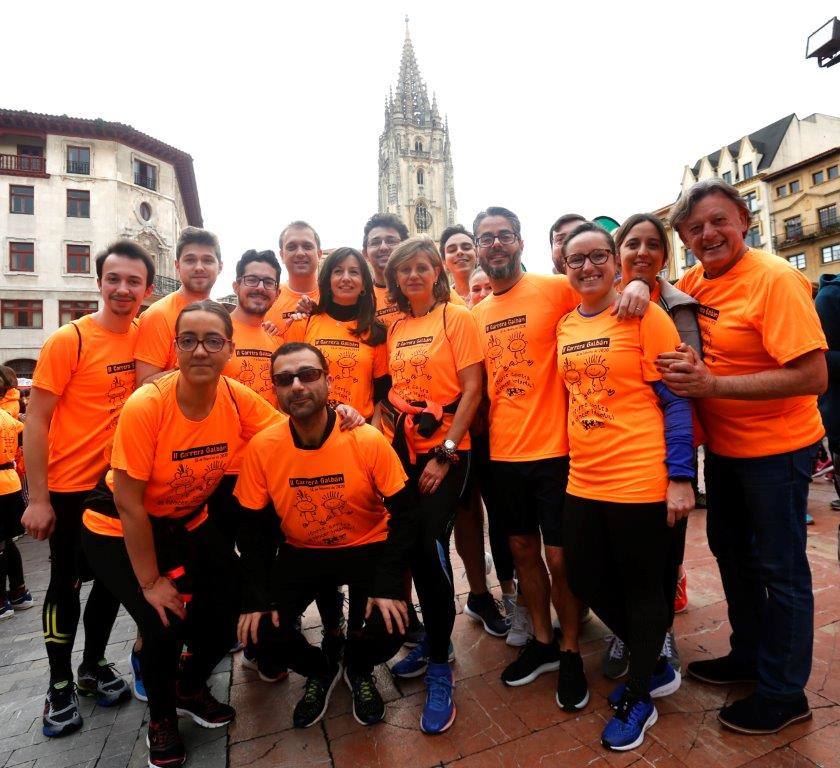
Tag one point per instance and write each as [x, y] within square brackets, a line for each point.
[755, 392]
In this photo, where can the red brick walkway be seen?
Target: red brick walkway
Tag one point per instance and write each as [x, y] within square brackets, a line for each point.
[522, 727]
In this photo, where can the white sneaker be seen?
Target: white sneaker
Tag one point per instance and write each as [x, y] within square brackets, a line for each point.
[521, 628]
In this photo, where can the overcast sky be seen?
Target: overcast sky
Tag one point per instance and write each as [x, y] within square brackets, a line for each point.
[589, 107]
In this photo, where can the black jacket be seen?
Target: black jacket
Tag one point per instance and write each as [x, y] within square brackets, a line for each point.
[828, 308]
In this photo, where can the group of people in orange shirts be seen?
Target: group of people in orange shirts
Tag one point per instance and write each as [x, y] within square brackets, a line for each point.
[215, 471]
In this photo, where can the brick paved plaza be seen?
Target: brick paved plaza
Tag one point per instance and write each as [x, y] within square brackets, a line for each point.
[495, 726]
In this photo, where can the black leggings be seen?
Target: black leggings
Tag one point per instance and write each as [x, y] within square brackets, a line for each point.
[62, 607]
[480, 472]
[617, 559]
[300, 574]
[209, 629]
[11, 565]
[429, 560]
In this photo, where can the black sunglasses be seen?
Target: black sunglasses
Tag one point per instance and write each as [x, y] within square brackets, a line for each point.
[305, 375]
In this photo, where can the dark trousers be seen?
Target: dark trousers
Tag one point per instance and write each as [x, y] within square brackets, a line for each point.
[481, 475]
[11, 565]
[209, 629]
[299, 576]
[618, 559]
[755, 523]
[62, 607]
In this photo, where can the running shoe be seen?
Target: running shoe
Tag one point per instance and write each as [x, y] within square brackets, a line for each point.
[236, 647]
[626, 729]
[368, 707]
[616, 659]
[204, 709]
[415, 632]
[138, 689]
[835, 505]
[61, 710]
[416, 660]
[439, 710]
[533, 660]
[484, 610]
[267, 670]
[6, 610]
[166, 747]
[572, 691]
[521, 627]
[664, 681]
[670, 652]
[22, 601]
[101, 682]
[822, 467]
[681, 598]
[316, 698]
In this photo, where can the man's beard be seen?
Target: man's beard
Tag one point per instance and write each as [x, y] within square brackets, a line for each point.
[504, 271]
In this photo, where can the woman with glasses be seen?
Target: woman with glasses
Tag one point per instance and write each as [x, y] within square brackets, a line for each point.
[434, 359]
[631, 468]
[146, 531]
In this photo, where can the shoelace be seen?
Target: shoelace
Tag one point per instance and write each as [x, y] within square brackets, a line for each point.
[667, 646]
[365, 687]
[104, 673]
[631, 711]
[617, 648]
[439, 691]
[314, 689]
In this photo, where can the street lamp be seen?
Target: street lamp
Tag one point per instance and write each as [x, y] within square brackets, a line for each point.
[824, 44]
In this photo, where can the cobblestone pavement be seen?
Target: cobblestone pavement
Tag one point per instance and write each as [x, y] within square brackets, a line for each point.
[496, 726]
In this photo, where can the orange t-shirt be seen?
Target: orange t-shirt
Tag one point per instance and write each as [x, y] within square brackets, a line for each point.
[353, 364]
[286, 305]
[11, 402]
[616, 426]
[91, 369]
[156, 343]
[758, 316]
[10, 428]
[181, 461]
[424, 357]
[518, 331]
[250, 363]
[387, 312]
[325, 497]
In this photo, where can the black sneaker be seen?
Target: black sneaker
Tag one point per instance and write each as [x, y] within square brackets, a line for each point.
[416, 631]
[721, 671]
[61, 710]
[166, 747]
[368, 707]
[534, 659]
[483, 609]
[100, 681]
[572, 691]
[204, 709]
[267, 670]
[316, 698]
[759, 715]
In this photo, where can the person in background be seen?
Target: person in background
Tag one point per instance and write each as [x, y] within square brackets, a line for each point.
[480, 287]
[557, 236]
[300, 252]
[828, 309]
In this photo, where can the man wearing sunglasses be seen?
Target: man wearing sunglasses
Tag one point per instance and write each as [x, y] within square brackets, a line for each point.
[347, 517]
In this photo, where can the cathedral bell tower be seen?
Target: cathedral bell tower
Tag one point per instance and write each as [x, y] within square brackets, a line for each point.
[415, 164]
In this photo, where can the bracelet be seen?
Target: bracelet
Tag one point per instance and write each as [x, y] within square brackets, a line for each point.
[443, 456]
[151, 584]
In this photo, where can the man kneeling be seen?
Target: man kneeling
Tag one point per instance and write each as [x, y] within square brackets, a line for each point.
[346, 517]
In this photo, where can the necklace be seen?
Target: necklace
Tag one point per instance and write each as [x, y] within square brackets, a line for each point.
[428, 311]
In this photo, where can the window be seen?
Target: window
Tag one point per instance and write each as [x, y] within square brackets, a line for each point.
[797, 260]
[31, 157]
[831, 253]
[795, 186]
[145, 211]
[78, 259]
[420, 177]
[827, 216]
[753, 238]
[747, 171]
[689, 258]
[418, 145]
[73, 310]
[818, 177]
[793, 228]
[78, 203]
[727, 177]
[78, 160]
[145, 175]
[782, 191]
[751, 199]
[21, 257]
[422, 218]
[22, 313]
[833, 172]
[21, 199]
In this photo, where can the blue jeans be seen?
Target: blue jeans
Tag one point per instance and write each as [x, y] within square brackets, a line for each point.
[756, 528]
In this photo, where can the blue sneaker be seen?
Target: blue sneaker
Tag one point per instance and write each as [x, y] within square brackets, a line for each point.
[416, 661]
[439, 710]
[6, 610]
[137, 687]
[664, 681]
[22, 601]
[626, 729]
[61, 710]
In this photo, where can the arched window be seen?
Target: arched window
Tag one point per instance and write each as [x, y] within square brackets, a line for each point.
[418, 145]
[23, 367]
[420, 177]
[422, 219]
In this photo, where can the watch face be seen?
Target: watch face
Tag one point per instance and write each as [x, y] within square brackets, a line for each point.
[449, 445]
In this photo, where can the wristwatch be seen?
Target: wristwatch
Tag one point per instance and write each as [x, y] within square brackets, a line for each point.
[449, 446]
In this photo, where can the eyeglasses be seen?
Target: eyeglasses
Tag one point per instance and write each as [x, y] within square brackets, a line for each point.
[304, 375]
[597, 257]
[505, 237]
[377, 241]
[189, 343]
[252, 281]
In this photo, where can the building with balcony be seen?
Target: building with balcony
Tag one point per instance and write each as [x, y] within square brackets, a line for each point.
[68, 187]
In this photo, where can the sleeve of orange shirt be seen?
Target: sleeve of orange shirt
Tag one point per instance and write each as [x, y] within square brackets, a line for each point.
[251, 487]
[295, 332]
[783, 312]
[463, 335]
[57, 361]
[657, 334]
[255, 413]
[564, 296]
[383, 462]
[380, 360]
[136, 436]
[154, 341]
